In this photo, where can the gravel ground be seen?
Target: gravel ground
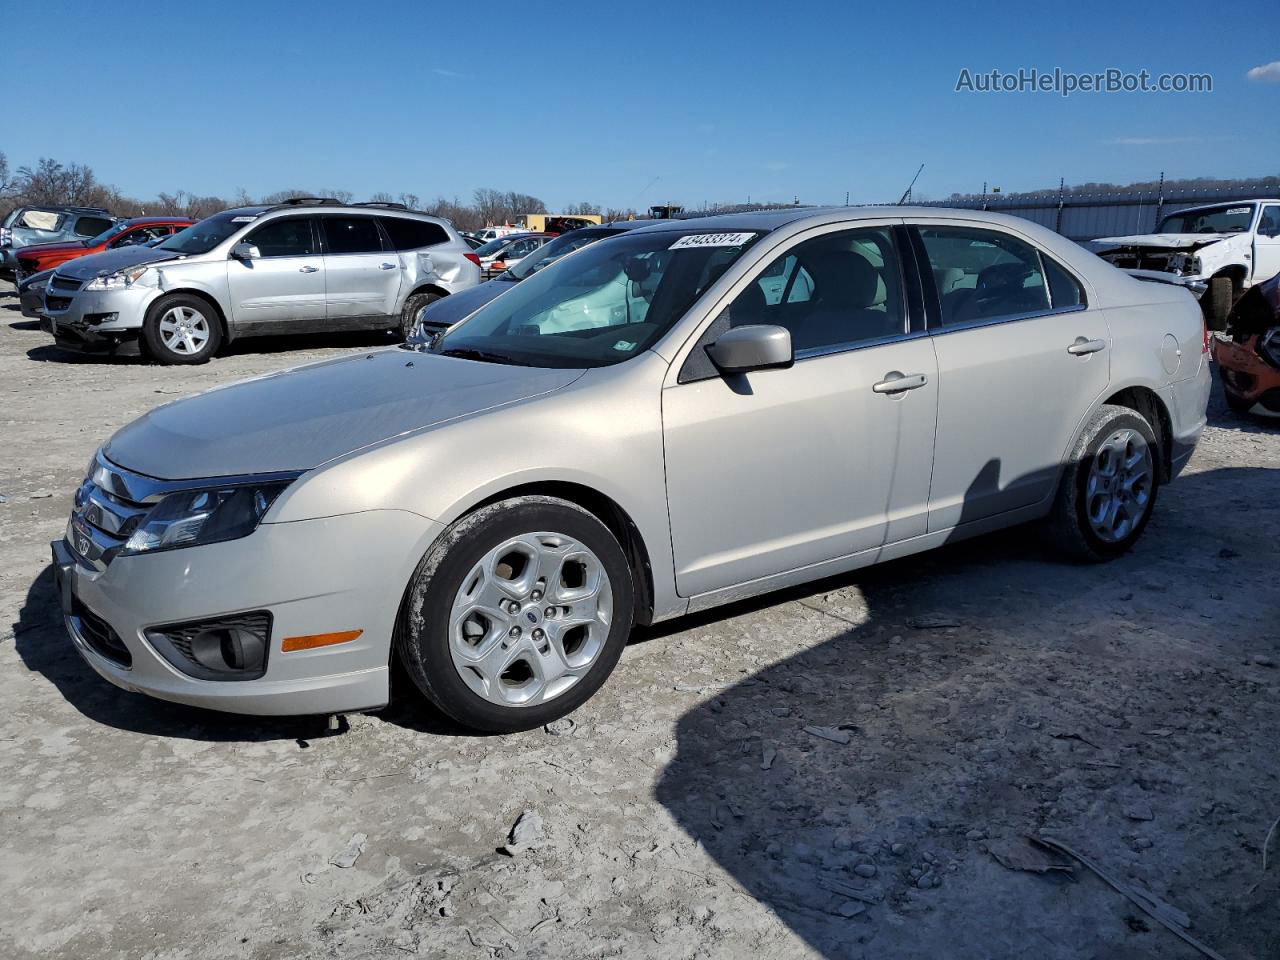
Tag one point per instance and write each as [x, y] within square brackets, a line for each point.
[825, 772]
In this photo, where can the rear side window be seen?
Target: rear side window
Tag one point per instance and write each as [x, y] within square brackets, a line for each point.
[1063, 288]
[92, 226]
[286, 237]
[412, 234]
[983, 274]
[352, 235]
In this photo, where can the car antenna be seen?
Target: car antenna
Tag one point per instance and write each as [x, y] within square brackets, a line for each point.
[906, 194]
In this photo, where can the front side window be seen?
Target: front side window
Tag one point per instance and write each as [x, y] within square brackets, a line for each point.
[286, 237]
[110, 235]
[92, 226]
[834, 291]
[601, 306]
[983, 274]
[1228, 218]
[1269, 223]
[352, 235]
[557, 248]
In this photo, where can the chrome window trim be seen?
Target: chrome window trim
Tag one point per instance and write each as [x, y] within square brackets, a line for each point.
[1000, 321]
[815, 352]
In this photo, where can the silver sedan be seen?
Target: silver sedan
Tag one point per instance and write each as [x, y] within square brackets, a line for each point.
[674, 418]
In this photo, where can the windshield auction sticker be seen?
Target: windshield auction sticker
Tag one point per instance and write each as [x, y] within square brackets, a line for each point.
[711, 240]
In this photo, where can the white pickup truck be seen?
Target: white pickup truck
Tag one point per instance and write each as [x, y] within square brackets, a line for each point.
[1217, 252]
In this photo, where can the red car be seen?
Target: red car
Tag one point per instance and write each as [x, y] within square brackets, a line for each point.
[46, 256]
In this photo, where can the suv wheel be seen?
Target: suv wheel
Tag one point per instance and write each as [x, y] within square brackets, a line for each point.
[517, 614]
[181, 329]
[1217, 302]
[1109, 487]
[412, 307]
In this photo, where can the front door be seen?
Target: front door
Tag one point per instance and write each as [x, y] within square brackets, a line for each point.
[362, 278]
[1021, 356]
[776, 470]
[284, 282]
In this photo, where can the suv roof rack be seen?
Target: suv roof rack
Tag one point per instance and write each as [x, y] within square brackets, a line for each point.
[65, 208]
[308, 202]
[384, 204]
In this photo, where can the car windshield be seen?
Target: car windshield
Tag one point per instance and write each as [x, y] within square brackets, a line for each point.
[1229, 218]
[493, 246]
[597, 308]
[206, 234]
[553, 251]
[106, 235]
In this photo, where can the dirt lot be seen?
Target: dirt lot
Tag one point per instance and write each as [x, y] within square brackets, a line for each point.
[985, 692]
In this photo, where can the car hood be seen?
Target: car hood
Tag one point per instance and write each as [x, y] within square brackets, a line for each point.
[449, 310]
[86, 268]
[46, 249]
[1164, 241]
[300, 418]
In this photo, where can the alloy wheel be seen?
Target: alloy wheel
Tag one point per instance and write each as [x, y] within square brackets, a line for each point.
[1118, 489]
[184, 330]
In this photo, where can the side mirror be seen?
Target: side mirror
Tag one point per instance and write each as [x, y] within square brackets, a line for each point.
[759, 346]
[244, 250]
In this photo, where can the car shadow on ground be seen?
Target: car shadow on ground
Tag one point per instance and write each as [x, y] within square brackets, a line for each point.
[248, 346]
[853, 788]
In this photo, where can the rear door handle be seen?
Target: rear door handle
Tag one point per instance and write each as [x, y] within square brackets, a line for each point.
[308, 269]
[386, 266]
[1083, 346]
[896, 382]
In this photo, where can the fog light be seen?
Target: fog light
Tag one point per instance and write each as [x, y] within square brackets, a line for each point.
[225, 648]
[93, 319]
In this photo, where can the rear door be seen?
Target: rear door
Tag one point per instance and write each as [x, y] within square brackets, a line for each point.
[1021, 358]
[362, 272]
[284, 283]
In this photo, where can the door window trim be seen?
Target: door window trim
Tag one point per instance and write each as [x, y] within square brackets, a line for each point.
[937, 327]
[908, 277]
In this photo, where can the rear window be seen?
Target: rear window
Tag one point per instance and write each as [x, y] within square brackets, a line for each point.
[92, 226]
[408, 234]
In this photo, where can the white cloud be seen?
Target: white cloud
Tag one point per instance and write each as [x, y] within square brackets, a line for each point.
[1267, 73]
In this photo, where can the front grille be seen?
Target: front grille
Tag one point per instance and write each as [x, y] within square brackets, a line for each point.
[103, 505]
[59, 282]
[56, 303]
[97, 633]
[1141, 261]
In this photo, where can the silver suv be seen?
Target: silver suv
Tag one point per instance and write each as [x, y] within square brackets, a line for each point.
[304, 266]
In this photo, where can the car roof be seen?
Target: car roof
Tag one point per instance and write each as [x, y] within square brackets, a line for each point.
[138, 221]
[1219, 203]
[259, 210]
[765, 221]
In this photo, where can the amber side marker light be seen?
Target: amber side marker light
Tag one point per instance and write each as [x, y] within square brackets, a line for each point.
[294, 644]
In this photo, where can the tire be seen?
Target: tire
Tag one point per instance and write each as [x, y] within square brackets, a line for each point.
[409, 315]
[1217, 302]
[456, 643]
[195, 343]
[1082, 493]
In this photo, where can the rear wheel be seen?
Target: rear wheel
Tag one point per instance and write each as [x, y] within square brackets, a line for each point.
[181, 329]
[409, 315]
[1109, 487]
[518, 614]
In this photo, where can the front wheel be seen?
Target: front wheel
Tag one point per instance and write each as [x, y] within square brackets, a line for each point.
[1217, 302]
[181, 329]
[517, 614]
[412, 312]
[1109, 487]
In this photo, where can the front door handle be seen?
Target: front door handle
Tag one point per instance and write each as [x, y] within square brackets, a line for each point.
[308, 269]
[1083, 346]
[386, 266]
[896, 382]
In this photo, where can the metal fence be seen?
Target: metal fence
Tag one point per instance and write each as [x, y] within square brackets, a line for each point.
[1086, 216]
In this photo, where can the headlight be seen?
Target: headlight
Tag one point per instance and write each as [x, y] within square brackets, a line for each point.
[118, 280]
[195, 517]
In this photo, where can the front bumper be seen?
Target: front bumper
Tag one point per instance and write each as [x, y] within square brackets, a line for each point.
[313, 576]
[32, 301]
[97, 321]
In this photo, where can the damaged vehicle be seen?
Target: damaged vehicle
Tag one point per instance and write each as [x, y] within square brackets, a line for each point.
[1249, 357]
[678, 417]
[308, 265]
[1217, 252]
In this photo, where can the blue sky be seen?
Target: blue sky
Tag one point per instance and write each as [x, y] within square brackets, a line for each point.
[631, 104]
